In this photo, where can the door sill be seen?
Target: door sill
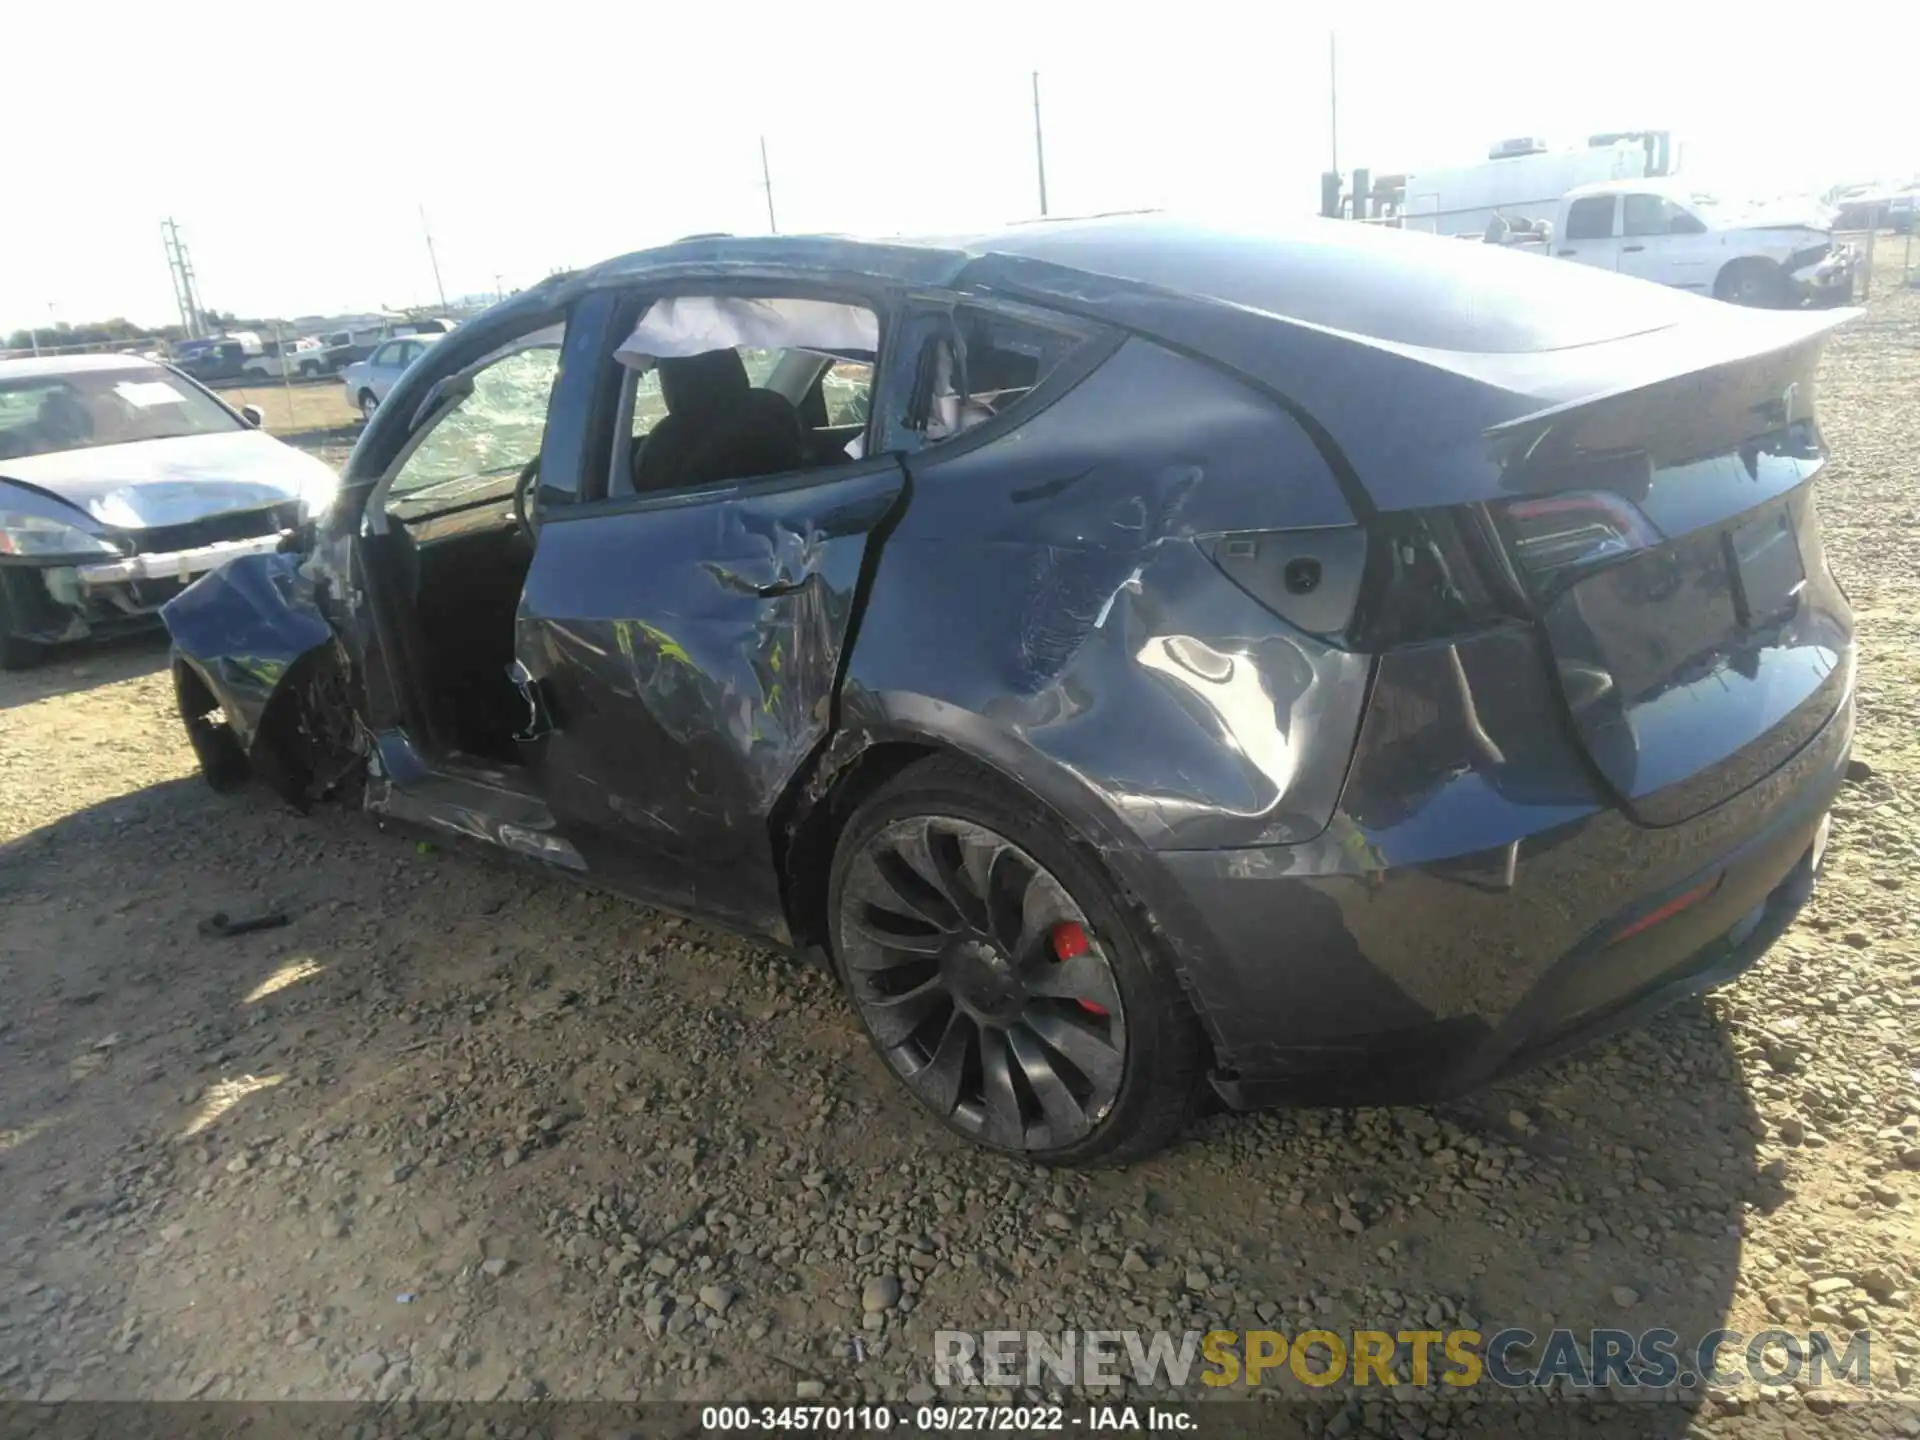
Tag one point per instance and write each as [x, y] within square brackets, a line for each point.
[466, 796]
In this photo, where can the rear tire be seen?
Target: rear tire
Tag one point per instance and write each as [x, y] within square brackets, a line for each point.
[1753, 282]
[1097, 1059]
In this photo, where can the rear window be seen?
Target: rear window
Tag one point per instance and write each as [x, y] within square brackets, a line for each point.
[82, 409]
[1390, 285]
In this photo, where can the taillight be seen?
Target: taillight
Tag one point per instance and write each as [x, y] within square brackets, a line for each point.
[1554, 538]
[1426, 580]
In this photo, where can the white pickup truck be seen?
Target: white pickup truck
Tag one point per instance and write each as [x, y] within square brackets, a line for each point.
[1665, 231]
[289, 357]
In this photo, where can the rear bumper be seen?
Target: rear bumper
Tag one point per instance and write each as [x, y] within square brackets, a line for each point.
[1328, 973]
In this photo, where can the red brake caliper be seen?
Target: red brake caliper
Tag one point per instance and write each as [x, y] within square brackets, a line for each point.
[1069, 941]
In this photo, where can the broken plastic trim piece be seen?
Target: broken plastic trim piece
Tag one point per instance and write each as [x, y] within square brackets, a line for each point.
[221, 925]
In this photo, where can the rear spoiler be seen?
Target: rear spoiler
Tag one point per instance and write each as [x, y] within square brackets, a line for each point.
[1694, 391]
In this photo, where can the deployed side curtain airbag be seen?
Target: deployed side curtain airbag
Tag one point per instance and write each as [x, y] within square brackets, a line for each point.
[684, 325]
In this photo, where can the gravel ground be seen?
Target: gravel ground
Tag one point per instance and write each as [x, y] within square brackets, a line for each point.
[460, 1132]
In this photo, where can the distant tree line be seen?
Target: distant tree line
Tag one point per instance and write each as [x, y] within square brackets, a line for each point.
[122, 331]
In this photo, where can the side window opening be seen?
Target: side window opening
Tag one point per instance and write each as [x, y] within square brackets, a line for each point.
[839, 403]
[487, 436]
[457, 560]
[987, 365]
[650, 406]
[1590, 218]
[1644, 215]
[1683, 222]
[846, 391]
[789, 393]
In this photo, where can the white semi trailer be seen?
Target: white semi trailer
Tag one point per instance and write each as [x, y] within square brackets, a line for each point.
[1524, 180]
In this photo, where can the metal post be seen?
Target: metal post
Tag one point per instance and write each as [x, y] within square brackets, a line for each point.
[766, 183]
[286, 377]
[1039, 143]
[433, 259]
[189, 285]
[180, 270]
[1333, 102]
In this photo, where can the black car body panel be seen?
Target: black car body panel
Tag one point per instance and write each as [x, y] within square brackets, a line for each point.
[1102, 643]
[1244, 593]
[1456, 918]
[687, 652]
[242, 629]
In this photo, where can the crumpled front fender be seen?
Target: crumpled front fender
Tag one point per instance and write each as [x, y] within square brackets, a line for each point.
[242, 628]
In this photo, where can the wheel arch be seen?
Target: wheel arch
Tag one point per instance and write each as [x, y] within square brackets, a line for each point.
[1742, 263]
[223, 759]
[862, 757]
[858, 763]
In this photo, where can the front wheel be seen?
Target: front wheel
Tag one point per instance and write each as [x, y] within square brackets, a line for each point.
[368, 405]
[223, 763]
[1002, 976]
[1752, 282]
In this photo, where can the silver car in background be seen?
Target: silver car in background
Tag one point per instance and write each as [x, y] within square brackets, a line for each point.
[121, 481]
[368, 380]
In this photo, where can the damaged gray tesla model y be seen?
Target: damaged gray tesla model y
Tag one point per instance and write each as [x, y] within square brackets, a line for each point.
[1140, 659]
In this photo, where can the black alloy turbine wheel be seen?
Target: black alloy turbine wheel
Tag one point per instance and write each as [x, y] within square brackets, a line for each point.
[979, 979]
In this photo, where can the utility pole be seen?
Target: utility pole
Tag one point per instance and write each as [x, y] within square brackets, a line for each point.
[766, 184]
[1039, 144]
[180, 268]
[1333, 102]
[433, 259]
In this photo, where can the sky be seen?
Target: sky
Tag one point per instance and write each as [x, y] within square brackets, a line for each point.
[297, 144]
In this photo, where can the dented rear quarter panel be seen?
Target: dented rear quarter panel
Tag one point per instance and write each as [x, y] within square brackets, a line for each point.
[1043, 606]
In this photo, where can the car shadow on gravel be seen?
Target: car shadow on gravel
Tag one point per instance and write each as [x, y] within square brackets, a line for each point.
[86, 665]
[1608, 1190]
[534, 1111]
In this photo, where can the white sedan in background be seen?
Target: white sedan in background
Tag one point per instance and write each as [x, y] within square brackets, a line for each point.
[369, 380]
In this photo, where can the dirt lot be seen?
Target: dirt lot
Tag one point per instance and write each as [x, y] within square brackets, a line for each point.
[461, 1132]
[312, 414]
